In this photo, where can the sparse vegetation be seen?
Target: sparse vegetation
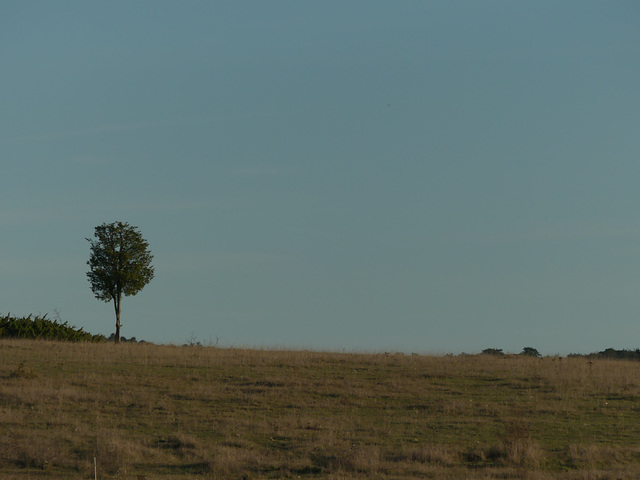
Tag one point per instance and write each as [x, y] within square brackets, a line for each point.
[216, 413]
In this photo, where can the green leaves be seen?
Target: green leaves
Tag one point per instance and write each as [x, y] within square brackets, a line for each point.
[120, 262]
[40, 328]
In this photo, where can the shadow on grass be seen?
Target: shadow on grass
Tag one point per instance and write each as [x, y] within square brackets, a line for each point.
[197, 468]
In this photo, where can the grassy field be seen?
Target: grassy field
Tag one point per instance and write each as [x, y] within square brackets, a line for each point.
[157, 412]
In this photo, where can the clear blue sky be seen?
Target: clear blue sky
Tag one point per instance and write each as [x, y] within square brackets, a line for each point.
[363, 175]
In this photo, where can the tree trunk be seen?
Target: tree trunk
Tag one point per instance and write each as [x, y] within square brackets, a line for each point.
[116, 304]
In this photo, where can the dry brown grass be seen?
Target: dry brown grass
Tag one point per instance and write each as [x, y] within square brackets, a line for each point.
[207, 413]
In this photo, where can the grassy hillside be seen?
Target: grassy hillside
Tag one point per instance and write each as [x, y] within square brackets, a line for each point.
[156, 412]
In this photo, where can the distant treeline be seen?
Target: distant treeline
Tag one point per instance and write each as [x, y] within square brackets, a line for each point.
[526, 351]
[39, 327]
[612, 353]
[609, 353]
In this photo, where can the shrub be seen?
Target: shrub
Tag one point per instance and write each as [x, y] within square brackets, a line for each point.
[36, 327]
[530, 352]
[492, 351]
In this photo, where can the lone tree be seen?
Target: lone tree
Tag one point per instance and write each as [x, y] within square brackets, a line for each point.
[120, 263]
[530, 352]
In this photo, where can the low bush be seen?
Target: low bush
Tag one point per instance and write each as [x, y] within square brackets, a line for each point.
[530, 352]
[493, 351]
[40, 328]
